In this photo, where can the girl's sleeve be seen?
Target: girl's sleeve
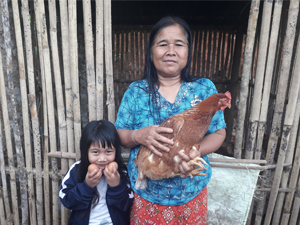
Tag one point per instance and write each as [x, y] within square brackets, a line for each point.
[126, 112]
[75, 196]
[120, 196]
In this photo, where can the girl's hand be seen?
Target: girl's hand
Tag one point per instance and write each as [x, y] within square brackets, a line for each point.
[112, 179]
[93, 178]
[184, 168]
[150, 137]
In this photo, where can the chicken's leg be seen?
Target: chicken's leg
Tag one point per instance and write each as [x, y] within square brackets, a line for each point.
[200, 163]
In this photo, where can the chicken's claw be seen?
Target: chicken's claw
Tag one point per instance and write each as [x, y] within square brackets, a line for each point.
[198, 161]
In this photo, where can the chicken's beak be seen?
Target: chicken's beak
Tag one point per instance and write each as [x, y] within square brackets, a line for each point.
[229, 106]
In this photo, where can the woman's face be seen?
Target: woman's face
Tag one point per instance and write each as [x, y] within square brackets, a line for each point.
[170, 51]
[101, 156]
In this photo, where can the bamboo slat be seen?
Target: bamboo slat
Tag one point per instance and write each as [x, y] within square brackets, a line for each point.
[280, 102]
[268, 76]
[245, 77]
[110, 102]
[197, 54]
[219, 52]
[213, 70]
[208, 60]
[2, 212]
[296, 207]
[296, 167]
[227, 52]
[136, 55]
[89, 58]
[62, 126]
[33, 112]
[203, 55]
[50, 106]
[223, 53]
[233, 83]
[192, 68]
[130, 53]
[4, 189]
[9, 146]
[261, 61]
[67, 78]
[291, 122]
[42, 187]
[26, 126]
[99, 59]
[74, 71]
[230, 63]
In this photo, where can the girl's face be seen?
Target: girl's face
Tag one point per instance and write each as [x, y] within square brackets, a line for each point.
[101, 156]
[170, 51]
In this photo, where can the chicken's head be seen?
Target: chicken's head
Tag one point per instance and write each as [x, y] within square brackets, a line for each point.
[225, 102]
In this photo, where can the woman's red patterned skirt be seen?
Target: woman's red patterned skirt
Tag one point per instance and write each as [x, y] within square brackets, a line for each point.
[193, 212]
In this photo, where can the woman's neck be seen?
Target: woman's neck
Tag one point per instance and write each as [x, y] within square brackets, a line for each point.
[172, 82]
[169, 87]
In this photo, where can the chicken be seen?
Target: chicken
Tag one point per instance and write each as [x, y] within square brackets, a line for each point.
[189, 128]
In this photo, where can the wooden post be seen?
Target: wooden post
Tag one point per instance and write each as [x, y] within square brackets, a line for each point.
[89, 58]
[245, 77]
[110, 102]
[99, 59]
[259, 78]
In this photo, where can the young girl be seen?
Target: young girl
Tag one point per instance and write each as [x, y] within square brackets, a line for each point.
[98, 197]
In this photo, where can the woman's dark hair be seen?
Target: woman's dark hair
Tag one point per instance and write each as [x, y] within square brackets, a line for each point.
[103, 132]
[150, 71]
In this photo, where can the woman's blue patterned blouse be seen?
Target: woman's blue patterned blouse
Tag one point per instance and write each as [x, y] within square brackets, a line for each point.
[134, 113]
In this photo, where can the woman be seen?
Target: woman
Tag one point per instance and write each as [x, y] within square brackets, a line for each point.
[166, 90]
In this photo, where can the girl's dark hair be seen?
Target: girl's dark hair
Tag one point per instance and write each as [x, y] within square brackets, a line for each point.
[150, 71]
[103, 132]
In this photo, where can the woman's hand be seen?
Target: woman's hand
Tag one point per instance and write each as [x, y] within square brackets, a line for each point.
[184, 168]
[151, 138]
[112, 179]
[93, 178]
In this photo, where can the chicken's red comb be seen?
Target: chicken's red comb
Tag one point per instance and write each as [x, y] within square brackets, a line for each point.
[227, 93]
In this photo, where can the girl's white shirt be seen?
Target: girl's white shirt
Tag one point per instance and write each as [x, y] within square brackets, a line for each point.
[100, 214]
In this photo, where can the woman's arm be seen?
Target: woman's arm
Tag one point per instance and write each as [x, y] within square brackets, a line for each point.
[147, 136]
[212, 142]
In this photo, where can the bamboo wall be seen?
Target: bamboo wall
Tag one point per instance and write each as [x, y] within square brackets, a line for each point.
[54, 77]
